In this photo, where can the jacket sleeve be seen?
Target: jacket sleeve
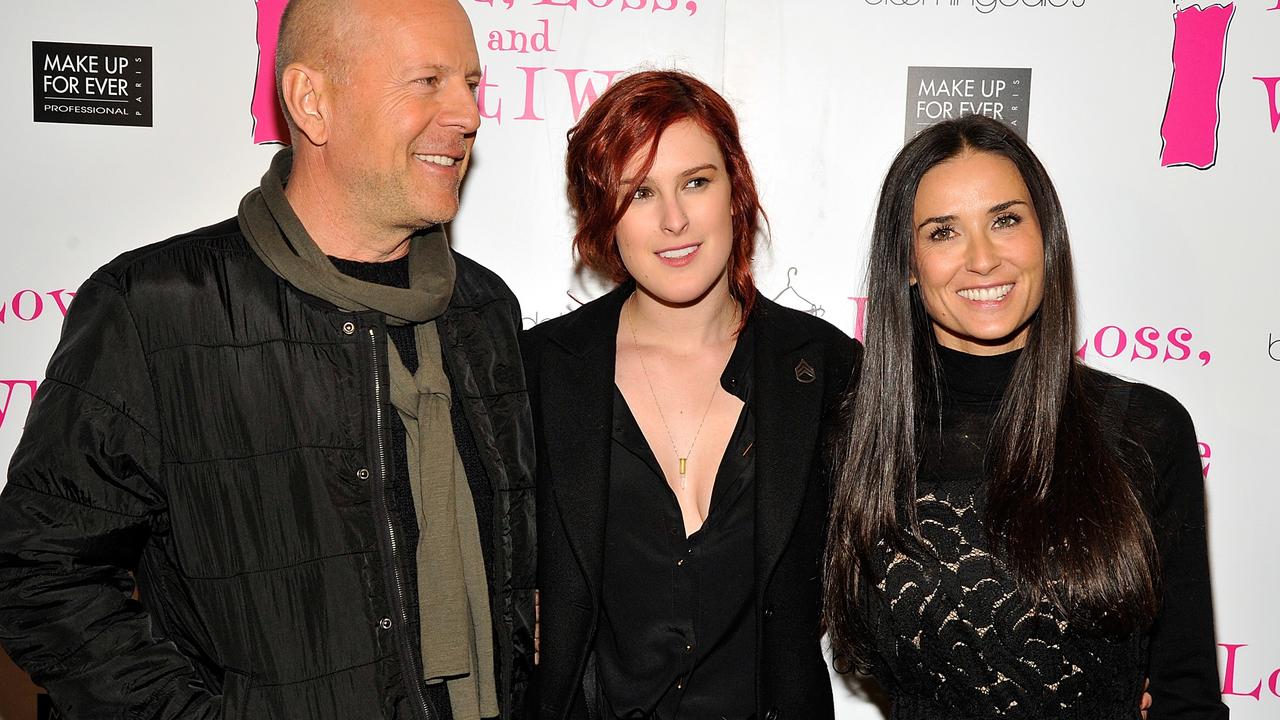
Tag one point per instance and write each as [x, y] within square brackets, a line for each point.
[81, 499]
[1183, 657]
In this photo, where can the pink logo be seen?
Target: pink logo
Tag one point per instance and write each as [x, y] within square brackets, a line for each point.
[1147, 343]
[1229, 676]
[268, 121]
[28, 305]
[1205, 454]
[859, 318]
[1270, 84]
[1190, 128]
[24, 388]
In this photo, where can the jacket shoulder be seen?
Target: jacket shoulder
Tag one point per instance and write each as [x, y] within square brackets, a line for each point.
[478, 284]
[595, 322]
[180, 252]
[834, 343]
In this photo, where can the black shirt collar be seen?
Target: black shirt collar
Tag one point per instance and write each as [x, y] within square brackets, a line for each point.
[975, 378]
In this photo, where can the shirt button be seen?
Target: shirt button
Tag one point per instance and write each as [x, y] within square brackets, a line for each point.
[348, 328]
[688, 648]
[363, 473]
[680, 562]
[768, 613]
[385, 623]
[680, 683]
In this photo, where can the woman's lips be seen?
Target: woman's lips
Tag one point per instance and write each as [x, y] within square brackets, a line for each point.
[991, 294]
[678, 256]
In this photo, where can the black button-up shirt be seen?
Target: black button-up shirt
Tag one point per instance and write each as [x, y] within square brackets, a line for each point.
[677, 633]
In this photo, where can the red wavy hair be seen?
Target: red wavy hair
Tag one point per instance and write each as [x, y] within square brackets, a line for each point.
[629, 117]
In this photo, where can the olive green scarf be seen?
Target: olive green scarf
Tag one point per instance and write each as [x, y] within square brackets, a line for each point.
[456, 630]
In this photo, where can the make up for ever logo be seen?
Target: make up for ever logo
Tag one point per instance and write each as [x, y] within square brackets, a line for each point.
[91, 84]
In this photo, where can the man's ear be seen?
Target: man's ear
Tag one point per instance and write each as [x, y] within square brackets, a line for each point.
[306, 99]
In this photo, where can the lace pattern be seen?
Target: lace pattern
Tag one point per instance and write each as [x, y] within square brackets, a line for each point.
[955, 638]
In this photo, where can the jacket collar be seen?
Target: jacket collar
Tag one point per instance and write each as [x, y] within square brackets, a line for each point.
[594, 324]
[577, 387]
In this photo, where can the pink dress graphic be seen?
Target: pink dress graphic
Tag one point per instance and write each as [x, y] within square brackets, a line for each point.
[1190, 128]
[268, 122]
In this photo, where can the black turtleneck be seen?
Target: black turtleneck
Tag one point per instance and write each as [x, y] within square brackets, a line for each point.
[952, 636]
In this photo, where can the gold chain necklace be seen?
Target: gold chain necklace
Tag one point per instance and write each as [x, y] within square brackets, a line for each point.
[684, 459]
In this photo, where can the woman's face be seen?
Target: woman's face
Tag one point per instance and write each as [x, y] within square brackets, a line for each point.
[979, 254]
[676, 236]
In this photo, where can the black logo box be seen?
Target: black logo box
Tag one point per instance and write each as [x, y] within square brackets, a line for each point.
[91, 84]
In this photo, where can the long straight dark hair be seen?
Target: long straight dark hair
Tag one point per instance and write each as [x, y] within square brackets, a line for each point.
[1064, 511]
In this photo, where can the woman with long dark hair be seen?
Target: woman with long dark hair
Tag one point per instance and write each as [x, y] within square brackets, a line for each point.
[680, 492]
[1013, 535]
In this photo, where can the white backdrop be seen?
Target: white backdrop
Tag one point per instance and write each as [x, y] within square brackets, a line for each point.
[1176, 263]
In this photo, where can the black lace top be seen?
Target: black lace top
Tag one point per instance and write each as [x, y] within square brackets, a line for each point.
[954, 640]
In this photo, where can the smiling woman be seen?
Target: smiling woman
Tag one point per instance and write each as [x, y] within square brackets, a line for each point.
[1013, 535]
[680, 492]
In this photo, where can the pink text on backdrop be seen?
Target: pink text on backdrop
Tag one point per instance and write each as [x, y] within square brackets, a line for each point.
[28, 305]
[522, 41]
[859, 318]
[1147, 343]
[1229, 676]
[1206, 453]
[689, 6]
[22, 388]
[1270, 83]
[583, 86]
[268, 121]
[1190, 127]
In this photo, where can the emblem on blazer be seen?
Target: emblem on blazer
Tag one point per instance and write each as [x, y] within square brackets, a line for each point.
[805, 372]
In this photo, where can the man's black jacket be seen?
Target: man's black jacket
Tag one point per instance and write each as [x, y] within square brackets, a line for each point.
[211, 429]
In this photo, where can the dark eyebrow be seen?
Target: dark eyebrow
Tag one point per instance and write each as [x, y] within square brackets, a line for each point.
[1006, 205]
[627, 182]
[940, 219]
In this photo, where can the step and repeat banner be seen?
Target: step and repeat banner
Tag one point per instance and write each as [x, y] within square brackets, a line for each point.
[132, 121]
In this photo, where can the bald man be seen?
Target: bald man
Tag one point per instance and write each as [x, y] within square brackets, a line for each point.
[301, 434]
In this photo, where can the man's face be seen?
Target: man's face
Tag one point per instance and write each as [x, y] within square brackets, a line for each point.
[405, 114]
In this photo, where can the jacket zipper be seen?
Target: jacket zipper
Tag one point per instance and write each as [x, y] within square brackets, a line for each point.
[409, 672]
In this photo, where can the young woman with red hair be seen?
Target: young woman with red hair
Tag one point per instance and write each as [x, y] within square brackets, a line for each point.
[681, 493]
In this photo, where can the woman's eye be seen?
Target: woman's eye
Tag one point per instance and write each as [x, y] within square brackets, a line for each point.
[698, 182]
[642, 193]
[942, 233]
[1007, 220]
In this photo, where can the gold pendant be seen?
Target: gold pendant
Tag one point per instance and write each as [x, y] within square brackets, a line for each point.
[683, 466]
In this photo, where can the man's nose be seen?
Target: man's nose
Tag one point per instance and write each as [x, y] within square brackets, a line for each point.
[460, 109]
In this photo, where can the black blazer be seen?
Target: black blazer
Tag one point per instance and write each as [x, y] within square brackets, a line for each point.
[802, 365]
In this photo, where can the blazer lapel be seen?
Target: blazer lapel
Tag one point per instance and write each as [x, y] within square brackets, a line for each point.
[577, 407]
[788, 406]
